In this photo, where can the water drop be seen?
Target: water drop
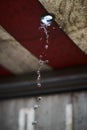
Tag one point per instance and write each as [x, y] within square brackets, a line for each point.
[41, 39]
[54, 28]
[46, 46]
[39, 84]
[47, 19]
[38, 71]
[60, 27]
[46, 61]
[34, 123]
[39, 98]
[41, 56]
[41, 62]
[36, 106]
[38, 78]
[45, 30]
[39, 75]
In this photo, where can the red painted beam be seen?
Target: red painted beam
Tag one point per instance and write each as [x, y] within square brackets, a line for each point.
[4, 72]
[21, 18]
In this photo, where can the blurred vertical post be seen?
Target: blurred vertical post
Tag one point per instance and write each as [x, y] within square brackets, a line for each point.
[69, 117]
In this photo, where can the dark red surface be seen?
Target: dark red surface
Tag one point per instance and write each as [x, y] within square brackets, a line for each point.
[21, 18]
[4, 71]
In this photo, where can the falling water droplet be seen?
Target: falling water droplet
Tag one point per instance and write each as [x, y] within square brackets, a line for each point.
[39, 98]
[34, 123]
[39, 84]
[60, 27]
[38, 71]
[40, 56]
[41, 62]
[36, 106]
[54, 28]
[46, 46]
[41, 39]
[46, 61]
[38, 78]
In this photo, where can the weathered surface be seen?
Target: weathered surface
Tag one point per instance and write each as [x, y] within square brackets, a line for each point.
[15, 57]
[80, 110]
[71, 15]
[51, 113]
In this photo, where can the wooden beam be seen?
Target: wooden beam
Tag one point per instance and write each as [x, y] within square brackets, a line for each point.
[71, 16]
[15, 57]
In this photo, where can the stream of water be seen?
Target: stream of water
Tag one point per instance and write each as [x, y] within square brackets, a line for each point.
[41, 62]
[45, 23]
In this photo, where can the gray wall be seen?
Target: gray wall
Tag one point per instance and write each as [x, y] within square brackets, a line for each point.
[51, 113]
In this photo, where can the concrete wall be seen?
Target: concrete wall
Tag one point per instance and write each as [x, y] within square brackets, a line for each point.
[59, 112]
[71, 15]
